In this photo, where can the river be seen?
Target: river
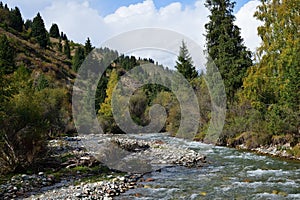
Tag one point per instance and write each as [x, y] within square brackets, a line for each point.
[228, 174]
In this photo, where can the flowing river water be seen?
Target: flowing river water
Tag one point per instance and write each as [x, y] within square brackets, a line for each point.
[228, 174]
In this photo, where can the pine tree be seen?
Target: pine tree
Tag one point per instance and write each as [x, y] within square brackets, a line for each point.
[54, 31]
[28, 24]
[88, 46]
[67, 50]
[59, 45]
[78, 58]
[39, 31]
[184, 63]
[7, 56]
[16, 20]
[225, 47]
[63, 36]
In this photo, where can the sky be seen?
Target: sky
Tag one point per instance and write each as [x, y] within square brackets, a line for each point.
[102, 19]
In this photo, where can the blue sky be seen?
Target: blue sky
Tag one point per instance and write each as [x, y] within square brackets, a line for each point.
[104, 7]
[109, 6]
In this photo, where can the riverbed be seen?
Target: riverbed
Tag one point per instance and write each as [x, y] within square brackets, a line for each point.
[228, 174]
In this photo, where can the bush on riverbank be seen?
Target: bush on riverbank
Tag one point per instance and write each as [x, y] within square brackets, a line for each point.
[27, 118]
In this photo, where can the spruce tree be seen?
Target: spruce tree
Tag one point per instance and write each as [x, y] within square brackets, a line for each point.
[225, 47]
[78, 58]
[39, 31]
[54, 31]
[28, 24]
[184, 63]
[59, 45]
[16, 21]
[88, 46]
[7, 56]
[67, 50]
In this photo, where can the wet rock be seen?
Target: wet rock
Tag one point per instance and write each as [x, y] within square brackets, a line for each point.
[41, 173]
[149, 180]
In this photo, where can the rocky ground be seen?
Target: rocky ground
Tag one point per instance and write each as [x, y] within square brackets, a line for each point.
[79, 175]
[272, 150]
[158, 152]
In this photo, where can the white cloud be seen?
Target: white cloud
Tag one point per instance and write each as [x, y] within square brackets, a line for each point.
[188, 21]
[132, 12]
[29, 9]
[75, 18]
[248, 24]
[79, 20]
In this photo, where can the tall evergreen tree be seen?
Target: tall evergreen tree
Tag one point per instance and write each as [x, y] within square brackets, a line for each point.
[88, 46]
[59, 45]
[7, 56]
[54, 31]
[184, 63]
[67, 50]
[78, 58]
[39, 31]
[16, 20]
[225, 47]
[28, 24]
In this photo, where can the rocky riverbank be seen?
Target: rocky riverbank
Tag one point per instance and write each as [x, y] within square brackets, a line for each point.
[102, 190]
[281, 151]
[75, 173]
[284, 146]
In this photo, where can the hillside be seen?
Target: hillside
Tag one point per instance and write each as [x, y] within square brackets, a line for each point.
[36, 77]
[49, 61]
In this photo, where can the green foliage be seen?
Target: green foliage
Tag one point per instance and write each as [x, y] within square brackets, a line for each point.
[243, 118]
[105, 115]
[42, 82]
[282, 120]
[67, 50]
[7, 56]
[137, 107]
[88, 47]
[28, 24]
[54, 31]
[16, 20]
[272, 85]
[78, 58]
[4, 15]
[39, 31]
[59, 45]
[184, 63]
[26, 118]
[171, 105]
[108, 57]
[225, 46]
[126, 62]
[105, 107]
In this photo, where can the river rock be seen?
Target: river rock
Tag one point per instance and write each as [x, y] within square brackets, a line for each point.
[158, 152]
